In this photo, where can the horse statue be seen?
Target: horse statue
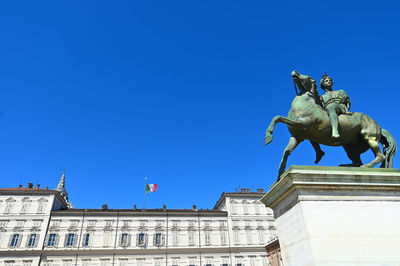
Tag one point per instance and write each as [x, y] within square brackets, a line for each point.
[307, 120]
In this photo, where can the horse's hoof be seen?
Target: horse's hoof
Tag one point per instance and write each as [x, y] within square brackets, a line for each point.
[268, 139]
[319, 157]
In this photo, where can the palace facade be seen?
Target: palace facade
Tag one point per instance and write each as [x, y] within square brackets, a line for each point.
[39, 226]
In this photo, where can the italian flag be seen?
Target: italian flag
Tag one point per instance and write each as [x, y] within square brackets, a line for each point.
[150, 188]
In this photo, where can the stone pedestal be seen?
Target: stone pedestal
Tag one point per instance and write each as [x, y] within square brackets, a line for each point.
[337, 215]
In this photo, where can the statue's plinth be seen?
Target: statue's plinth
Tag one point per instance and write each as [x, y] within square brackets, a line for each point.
[337, 215]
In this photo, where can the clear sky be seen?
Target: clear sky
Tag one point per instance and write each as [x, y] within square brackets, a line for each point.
[178, 91]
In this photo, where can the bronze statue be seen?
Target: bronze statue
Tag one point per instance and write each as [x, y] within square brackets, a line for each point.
[334, 102]
[307, 120]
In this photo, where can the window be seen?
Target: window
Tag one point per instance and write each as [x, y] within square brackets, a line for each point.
[123, 262]
[106, 238]
[40, 207]
[235, 223]
[245, 208]
[175, 223]
[225, 261]
[247, 223]
[191, 223]
[251, 261]
[37, 223]
[141, 239]
[52, 241]
[158, 239]
[91, 222]
[9, 263]
[8, 209]
[192, 261]
[175, 261]
[248, 235]
[15, 240]
[3, 223]
[74, 223]
[124, 240]
[157, 262]
[239, 261]
[257, 208]
[207, 237]
[207, 223]
[21, 222]
[127, 223]
[48, 263]
[236, 236]
[159, 223]
[24, 208]
[222, 223]
[191, 238]
[86, 262]
[86, 239]
[233, 207]
[264, 261]
[70, 240]
[261, 236]
[67, 263]
[143, 223]
[175, 238]
[223, 238]
[139, 262]
[27, 263]
[105, 262]
[55, 223]
[109, 223]
[32, 240]
[209, 261]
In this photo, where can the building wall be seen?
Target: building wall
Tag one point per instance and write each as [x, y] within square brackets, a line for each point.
[214, 231]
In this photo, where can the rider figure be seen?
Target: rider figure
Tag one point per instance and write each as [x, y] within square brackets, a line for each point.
[334, 102]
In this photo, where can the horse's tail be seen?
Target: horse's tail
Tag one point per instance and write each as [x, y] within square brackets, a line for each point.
[389, 148]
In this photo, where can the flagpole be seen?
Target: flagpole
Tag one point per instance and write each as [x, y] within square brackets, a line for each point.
[144, 196]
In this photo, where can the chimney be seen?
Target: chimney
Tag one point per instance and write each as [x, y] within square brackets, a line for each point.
[30, 185]
[260, 190]
[249, 190]
[134, 207]
[164, 207]
[104, 207]
[38, 186]
[236, 189]
[47, 188]
[243, 190]
[194, 207]
[20, 186]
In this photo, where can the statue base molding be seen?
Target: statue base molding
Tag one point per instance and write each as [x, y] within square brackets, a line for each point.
[337, 215]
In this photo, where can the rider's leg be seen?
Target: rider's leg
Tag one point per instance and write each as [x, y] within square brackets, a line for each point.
[333, 119]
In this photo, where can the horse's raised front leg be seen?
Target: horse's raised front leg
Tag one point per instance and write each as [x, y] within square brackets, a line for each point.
[293, 142]
[318, 152]
[374, 145]
[275, 120]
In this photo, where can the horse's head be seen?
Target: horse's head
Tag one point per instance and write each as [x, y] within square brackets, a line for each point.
[304, 83]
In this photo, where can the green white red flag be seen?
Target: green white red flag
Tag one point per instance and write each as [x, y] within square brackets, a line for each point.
[150, 188]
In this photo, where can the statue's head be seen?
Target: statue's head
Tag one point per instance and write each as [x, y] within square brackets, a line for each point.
[304, 83]
[326, 82]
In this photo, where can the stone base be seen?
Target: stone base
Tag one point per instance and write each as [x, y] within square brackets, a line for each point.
[337, 215]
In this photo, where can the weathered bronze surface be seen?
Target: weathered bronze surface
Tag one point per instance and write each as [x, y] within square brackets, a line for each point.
[327, 120]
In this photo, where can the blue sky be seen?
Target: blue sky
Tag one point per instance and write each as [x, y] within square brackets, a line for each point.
[178, 91]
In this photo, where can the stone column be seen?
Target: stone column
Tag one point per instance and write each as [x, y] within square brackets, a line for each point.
[337, 215]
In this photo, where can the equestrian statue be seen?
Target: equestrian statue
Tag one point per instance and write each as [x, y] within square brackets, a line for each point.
[327, 120]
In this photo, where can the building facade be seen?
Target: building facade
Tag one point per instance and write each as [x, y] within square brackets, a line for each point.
[40, 227]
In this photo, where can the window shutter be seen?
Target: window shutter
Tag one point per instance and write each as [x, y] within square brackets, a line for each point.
[137, 239]
[36, 240]
[9, 241]
[154, 239]
[163, 239]
[129, 240]
[27, 240]
[46, 240]
[75, 240]
[19, 240]
[57, 240]
[120, 239]
[145, 239]
[65, 240]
